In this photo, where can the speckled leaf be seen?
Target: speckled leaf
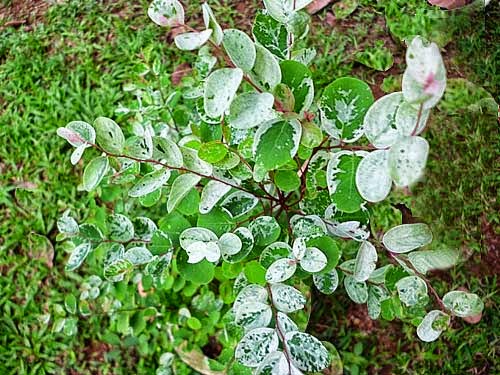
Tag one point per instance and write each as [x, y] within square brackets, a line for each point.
[117, 269]
[78, 133]
[247, 243]
[266, 72]
[314, 260]
[239, 203]
[166, 12]
[77, 256]
[308, 227]
[253, 315]
[211, 23]
[167, 151]
[357, 291]
[94, 172]
[239, 48]
[426, 330]
[463, 304]
[425, 261]
[366, 261]
[220, 89]
[281, 270]
[407, 237]
[286, 298]
[138, 255]
[212, 193]
[251, 109]
[412, 290]
[376, 294]
[307, 352]
[256, 345]
[193, 40]
[380, 120]
[265, 230]
[271, 34]
[407, 159]
[251, 294]
[120, 228]
[149, 183]
[372, 176]
[327, 282]
[109, 135]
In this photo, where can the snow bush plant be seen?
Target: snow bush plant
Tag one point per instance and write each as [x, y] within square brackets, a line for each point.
[258, 181]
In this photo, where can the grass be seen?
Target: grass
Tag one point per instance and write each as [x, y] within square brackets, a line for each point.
[73, 64]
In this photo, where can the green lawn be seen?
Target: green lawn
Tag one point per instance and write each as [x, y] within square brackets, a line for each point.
[72, 65]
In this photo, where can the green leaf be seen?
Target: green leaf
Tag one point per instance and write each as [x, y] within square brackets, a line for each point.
[344, 8]
[173, 225]
[256, 345]
[271, 34]
[193, 40]
[276, 143]
[255, 273]
[251, 109]
[180, 188]
[94, 172]
[193, 163]
[212, 152]
[425, 261]
[407, 237]
[312, 136]
[166, 12]
[150, 183]
[357, 291]
[426, 330]
[463, 304]
[366, 261]
[217, 220]
[286, 298]
[330, 248]
[326, 282]
[343, 107]
[299, 78]
[77, 256]
[160, 243]
[412, 290]
[307, 352]
[265, 230]
[341, 180]
[407, 159]
[91, 232]
[266, 72]
[109, 135]
[120, 228]
[287, 180]
[372, 176]
[138, 255]
[194, 323]
[220, 89]
[239, 48]
[199, 273]
[70, 303]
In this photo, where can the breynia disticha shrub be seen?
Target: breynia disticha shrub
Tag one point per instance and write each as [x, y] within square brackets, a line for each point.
[260, 179]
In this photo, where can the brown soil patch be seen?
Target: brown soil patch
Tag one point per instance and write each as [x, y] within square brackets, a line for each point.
[22, 13]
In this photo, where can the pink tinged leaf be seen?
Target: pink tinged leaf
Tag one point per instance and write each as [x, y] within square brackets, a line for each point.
[431, 85]
[450, 4]
[72, 137]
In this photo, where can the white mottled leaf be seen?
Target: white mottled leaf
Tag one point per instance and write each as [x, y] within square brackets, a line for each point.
[357, 291]
[307, 352]
[94, 172]
[229, 244]
[281, 270]
[200, 250]
[78, 133]
[266, 72]
[407, 237]
[220, 89]
[308, 227]
[256, 345]
[425, 261]
[285, 323]
[166, 12]
[250, 109]
[407, 159]
[180, 188]
[211, 194]
[193, 40]
[78, 255]
[372, 176]
[211, 23]
[240, 49]
[366, 261]
[314, 260]
[299, 248]
[167, 151]
[193, 163]
[286, 298]
[239, 203]
[411, 290]
[380, 120]
[149, 183]
[252, 315]
[120, 228]
[326, 282]
[406, 119]
[77, 153]
[67, 225]
[192, 235]
[463, 304]
[376, 294]
[251, 293]
[426, 330]
[138, 255]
